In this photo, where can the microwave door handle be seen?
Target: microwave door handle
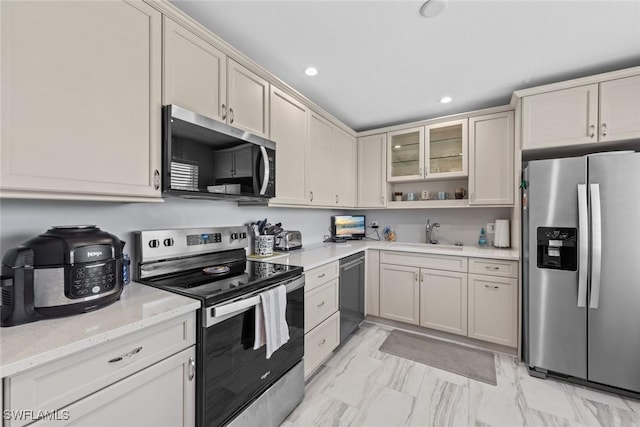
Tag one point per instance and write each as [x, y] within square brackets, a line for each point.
[265, 163]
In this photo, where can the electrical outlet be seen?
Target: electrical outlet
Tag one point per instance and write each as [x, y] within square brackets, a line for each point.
[374, 224]
[491, 227]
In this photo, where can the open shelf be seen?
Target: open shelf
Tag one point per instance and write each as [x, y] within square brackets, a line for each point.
[422, 204]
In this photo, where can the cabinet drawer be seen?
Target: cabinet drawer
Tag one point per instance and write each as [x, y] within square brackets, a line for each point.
[58, 384]
[493, 267]
[320, 303]
[437, 262]
[320, 342]
[319, 275]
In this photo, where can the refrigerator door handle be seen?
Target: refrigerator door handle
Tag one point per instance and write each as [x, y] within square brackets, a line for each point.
[583, 263]
[596, 245]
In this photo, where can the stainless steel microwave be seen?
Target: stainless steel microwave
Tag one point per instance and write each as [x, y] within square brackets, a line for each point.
[205, 158]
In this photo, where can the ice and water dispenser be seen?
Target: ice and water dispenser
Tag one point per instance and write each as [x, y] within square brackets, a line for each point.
[558, 248]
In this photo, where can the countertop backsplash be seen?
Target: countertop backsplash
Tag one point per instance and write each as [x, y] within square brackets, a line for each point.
[456, 225]
[21, 220]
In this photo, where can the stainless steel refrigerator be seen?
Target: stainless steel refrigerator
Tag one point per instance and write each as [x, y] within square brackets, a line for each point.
[581, 269]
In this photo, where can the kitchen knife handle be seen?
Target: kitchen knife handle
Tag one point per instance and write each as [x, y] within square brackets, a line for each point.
[583, 226]
[596, 245]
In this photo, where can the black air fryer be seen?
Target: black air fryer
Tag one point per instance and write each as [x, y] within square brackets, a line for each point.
[67, 270]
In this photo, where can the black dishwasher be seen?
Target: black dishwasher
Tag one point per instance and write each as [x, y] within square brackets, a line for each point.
[351, 294]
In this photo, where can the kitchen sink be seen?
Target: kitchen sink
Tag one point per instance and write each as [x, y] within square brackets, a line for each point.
[428, 245]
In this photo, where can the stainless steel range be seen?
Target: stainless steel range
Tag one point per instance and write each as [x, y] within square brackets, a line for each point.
[236, 385]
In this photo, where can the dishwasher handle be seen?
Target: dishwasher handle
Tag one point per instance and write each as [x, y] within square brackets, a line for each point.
[346, 265]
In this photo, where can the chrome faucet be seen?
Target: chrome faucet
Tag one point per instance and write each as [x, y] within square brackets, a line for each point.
[430, 228]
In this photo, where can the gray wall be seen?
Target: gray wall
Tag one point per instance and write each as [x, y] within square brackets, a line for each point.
[22, 219]
[455, 224]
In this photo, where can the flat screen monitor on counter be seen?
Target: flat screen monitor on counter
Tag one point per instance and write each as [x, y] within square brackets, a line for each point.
[347, 227]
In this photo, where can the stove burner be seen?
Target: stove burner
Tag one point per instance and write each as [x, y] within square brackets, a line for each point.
[219, 269]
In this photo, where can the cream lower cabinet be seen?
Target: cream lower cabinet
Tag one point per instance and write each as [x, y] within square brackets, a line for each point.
[144, 378]
[321, 315]
[474, 297]
[443, 300]
[162, 395]
[400, 293]
[81, 107]
[493, 314]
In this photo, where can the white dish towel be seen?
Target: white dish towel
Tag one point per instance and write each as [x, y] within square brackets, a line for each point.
[271, 322]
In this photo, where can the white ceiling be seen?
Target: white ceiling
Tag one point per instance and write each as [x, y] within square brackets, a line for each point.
[381, 63]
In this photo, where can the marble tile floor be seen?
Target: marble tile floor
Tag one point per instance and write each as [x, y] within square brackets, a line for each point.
[359, 386]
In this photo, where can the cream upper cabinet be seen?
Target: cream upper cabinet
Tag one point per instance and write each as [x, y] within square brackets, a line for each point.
[330, 165]
[443, 300]
[81, 92]
[598, 112]
[620, 109]
[405, 155]
[290, 130]
[491, 151]
[319, 162]
[372, 163]
[446, 150]
[493, 309]
[195, 72]
[399, 293]
[248, 99]
[201, 78]
[560, 118]
[344, 168]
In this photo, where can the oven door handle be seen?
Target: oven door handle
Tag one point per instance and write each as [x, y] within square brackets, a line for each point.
[218, 313]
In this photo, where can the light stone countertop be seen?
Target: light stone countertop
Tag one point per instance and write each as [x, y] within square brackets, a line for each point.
[27, 346]
[315, 255]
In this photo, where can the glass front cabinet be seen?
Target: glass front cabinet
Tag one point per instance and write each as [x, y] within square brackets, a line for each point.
[405, 155]
[437, 151]
[446, 150]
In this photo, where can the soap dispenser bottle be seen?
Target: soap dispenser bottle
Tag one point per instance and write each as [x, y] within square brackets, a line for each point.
[482, 241]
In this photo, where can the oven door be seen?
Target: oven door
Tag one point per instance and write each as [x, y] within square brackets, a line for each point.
[233, 374]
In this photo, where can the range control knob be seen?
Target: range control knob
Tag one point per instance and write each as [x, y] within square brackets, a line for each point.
[154, 243]
[243, 235]
[168, 242]
[234, 236]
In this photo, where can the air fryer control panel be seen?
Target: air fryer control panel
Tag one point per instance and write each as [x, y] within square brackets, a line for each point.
[92, 279]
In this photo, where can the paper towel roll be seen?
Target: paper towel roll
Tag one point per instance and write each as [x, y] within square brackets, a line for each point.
[502, 237]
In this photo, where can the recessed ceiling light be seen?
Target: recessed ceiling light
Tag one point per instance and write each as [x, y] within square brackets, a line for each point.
[396, 146]
[311, 71]
[446, 99]
[432, 8]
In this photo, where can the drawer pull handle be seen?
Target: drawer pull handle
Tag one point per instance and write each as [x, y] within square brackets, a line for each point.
[126, 355]
[322, 342]
[320, 305]
[491, 287]
[321, 276]
[192, 368]
[488, 267]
